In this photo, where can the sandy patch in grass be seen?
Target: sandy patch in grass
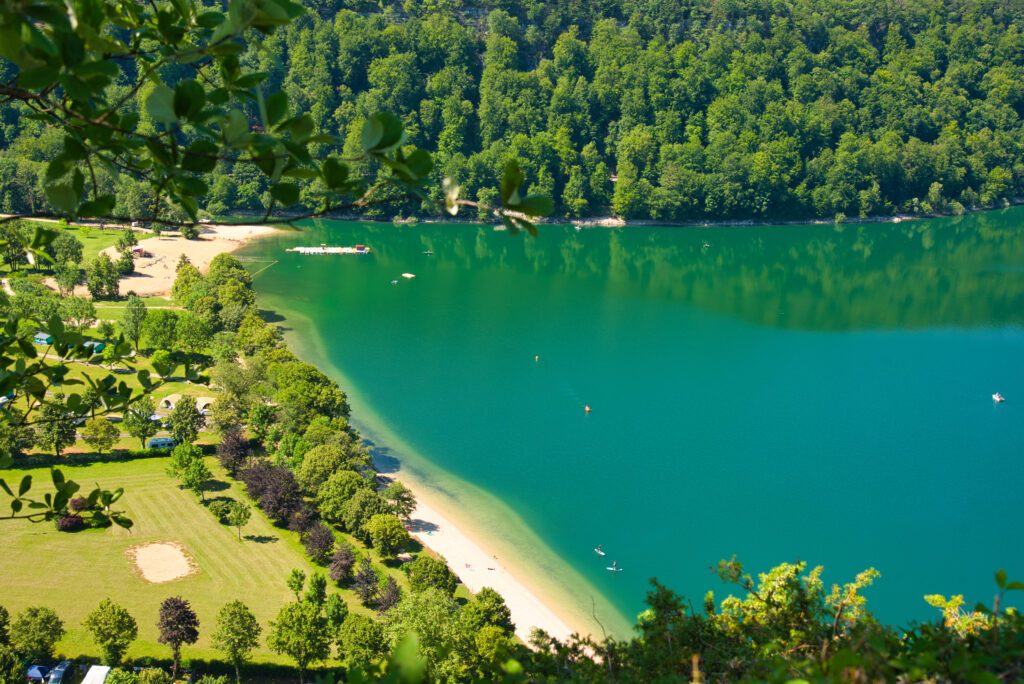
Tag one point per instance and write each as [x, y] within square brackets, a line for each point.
[162, 562]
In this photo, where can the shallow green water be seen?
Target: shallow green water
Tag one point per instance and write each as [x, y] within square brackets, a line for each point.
[801, 392]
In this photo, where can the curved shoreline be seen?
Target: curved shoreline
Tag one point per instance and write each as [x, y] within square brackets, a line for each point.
[540, 589]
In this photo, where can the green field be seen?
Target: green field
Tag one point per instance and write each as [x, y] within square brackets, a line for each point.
[72, 573]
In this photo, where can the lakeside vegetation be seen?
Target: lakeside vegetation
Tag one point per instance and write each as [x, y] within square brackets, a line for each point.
[658, 110]
[281, 425]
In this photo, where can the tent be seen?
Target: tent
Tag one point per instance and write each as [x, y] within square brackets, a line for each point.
[37, 672]
[97, 674]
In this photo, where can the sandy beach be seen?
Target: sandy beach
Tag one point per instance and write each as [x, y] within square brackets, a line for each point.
[477, 568]
[154, 273]
[474, 564]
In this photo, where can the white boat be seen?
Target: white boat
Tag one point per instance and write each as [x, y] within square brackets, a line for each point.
[324, 249]
[998, 398]
[408, 276]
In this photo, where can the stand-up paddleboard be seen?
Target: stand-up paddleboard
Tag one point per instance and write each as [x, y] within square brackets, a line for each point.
[599, 551]
[611, 569]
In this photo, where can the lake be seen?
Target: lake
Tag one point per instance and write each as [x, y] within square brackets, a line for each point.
[778, 393]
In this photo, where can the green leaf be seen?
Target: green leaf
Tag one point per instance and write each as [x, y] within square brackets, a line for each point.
[1015, 586]
[536, 205]
[277, 107]
[26, 484]
[420, 163]
[510, 182]
[58, 167]
[101, 206]
[63, 196]
[160, 105]
[201, 157]
[335, 173]
[189, 98]
[1001, 578]
[285, 193]
[41, 237]
[236, 130]
[372, 133]
[382, 132]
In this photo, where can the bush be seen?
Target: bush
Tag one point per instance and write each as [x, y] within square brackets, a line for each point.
[319, 542]
[302, 519]
[426, 572]
[120, 676]
[232, 451]
[220, 508]
[341, 564]
[70, 523]
[152, 675]
[274, 488]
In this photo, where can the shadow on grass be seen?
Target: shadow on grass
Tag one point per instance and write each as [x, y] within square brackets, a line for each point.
[217, 486]
[261, 538]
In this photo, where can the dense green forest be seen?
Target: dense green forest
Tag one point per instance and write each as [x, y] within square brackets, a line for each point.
[648, 109]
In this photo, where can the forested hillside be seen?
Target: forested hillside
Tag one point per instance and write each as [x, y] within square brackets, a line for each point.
[654, 109]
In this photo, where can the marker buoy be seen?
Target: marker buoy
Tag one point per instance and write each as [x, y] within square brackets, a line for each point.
[586, 409]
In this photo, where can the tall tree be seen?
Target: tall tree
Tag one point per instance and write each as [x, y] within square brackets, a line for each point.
[34, 633]
[56, 425]
[113, 628]
[238, 515]
[185, 420]
[100, 434]
[138, 420]
[178, 625]
[237, 635]
[300, 632]
[133, 322]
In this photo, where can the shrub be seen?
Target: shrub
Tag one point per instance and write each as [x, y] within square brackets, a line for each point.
[341, 563]
[220, 508]
[152, 675]
[319, 542]
[390, 595]
[232, 451]
[70, 523]
[274, 488]
[119, 676]
[426, 572]
[366, 582]
[302, 518]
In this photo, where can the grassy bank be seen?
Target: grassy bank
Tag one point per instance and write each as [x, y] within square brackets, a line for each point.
[72, 573]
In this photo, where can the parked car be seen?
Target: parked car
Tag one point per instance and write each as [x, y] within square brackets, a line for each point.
[162, 443]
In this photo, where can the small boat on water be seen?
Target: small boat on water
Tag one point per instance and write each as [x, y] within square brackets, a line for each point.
[324, 249]
[429, 252]
[599, 551]
[408, 276]
[998, 398]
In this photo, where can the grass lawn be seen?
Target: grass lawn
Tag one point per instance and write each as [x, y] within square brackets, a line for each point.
[114, 311]
[72, 573]
[94, 239]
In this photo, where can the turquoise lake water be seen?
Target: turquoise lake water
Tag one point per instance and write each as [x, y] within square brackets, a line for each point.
[818, 393]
